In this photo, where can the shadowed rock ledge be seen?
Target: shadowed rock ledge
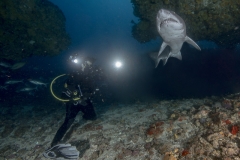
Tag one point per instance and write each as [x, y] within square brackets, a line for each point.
[213, 20]
[31, 27]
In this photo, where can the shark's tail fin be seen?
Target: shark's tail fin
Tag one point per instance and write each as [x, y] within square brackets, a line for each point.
[165, 54]
[165, 61]
[155, 58]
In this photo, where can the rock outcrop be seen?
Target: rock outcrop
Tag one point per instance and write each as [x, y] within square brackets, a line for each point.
[213, 20]
[31, 27]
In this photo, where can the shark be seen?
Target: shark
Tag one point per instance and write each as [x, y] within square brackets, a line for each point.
[172, 29]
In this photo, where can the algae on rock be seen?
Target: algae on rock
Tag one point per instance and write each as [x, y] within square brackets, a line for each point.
[31, 27]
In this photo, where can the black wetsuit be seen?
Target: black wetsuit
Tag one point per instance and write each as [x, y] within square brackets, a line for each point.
[71, 113]
[85, 81]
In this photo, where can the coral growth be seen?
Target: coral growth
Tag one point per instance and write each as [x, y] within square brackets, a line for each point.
[228, 122]
[185, 152]
[234, 130]
[213, 20]
[27, 28]
[155, 129]
[226, 103]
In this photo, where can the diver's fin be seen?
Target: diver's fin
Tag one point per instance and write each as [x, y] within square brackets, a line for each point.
[190, 41]
[62, 151]
[163, 46]
[178, 55]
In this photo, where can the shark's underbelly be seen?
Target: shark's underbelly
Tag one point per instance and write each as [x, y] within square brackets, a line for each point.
[174, 43]
[172, 36]
[175, 46]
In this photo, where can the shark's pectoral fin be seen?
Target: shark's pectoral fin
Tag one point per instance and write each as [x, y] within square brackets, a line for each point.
[163, 46]
[178, 55]
[190, 41]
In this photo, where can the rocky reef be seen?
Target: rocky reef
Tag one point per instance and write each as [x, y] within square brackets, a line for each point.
[213, 20]
[31, 27]
[178, 129]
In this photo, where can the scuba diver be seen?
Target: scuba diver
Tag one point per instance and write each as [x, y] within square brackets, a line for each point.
[79, 89]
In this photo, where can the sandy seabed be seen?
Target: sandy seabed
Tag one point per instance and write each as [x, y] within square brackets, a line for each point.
[204, 129]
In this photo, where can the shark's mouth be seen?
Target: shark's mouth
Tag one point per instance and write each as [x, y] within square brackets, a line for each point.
[169, 20]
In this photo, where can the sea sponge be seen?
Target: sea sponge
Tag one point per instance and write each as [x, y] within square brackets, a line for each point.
[227, 121]
[185, 152]
[156, 129]
[234, 129]
[227, 104]
[29, 28]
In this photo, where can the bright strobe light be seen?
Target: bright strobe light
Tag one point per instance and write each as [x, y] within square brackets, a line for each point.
[75, 60]
[118, 64]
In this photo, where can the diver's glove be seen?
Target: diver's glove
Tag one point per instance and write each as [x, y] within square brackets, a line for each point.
[62, 151]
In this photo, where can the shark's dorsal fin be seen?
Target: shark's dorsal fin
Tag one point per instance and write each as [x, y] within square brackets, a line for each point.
[178, 55]
[190, 41]
[163, 46]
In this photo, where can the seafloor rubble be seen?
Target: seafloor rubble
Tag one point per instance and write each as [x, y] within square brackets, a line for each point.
[212, 20]
[169, 130]
[35, 27]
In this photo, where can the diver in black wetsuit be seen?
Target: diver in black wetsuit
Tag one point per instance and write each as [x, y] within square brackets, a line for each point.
[77, 103]
[80, 87]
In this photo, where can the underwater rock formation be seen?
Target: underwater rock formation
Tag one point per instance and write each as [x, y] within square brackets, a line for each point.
[35, 27]
[213, 20]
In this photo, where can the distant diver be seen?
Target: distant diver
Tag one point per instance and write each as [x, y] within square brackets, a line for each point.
[172, 29]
